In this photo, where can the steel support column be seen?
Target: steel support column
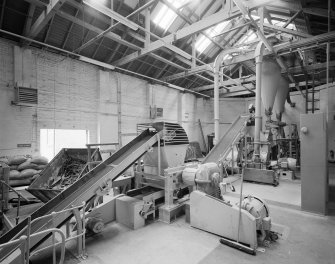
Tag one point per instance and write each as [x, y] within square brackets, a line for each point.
[258, 115]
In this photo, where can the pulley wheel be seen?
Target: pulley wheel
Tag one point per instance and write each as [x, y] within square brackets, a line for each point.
[95, 225]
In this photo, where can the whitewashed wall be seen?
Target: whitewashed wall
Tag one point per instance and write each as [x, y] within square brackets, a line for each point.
[230, 109]
[76, 95]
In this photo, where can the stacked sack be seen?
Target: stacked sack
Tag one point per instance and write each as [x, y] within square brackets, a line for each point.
[24, 169]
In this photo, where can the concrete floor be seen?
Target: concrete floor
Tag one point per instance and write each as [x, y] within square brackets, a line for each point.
[306, 239]
[287, 193]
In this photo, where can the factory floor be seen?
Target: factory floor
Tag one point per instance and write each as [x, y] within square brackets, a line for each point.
[306, 239]
[287, 193]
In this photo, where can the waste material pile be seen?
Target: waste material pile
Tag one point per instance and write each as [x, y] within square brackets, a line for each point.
[24, 169]
[68, 173]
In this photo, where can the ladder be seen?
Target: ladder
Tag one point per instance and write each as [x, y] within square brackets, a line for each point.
[313, 96]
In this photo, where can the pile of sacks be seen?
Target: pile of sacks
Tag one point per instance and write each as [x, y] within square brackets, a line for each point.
[24, 169]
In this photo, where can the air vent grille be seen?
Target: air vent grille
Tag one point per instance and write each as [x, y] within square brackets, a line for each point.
[25, 96]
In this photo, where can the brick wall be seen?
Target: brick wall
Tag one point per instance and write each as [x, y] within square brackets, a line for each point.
[77, 95]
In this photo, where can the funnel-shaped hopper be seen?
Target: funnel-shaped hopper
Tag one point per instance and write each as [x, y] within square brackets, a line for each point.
[279, 104]
[270, 82]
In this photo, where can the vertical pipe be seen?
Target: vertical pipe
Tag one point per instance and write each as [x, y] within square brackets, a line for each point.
[159, 154]
[147, 27]
[258, 115]
[232, 159]
[193, 51]
[216, 103]
[217, 66]
[119, 108]
[328, 57]
[313, 91]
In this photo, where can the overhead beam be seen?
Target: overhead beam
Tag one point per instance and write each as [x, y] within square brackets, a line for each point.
[45, 17]
[260, 34]
[100, 63]
[280, 48]
[194, 28]
[310, 68]
[238, 91]
[242, 91]
[29, 19]
[190, 22]
[157, 57]
[187, 72]
[110, 35]
[49, 29]
[288, 31]
[69, 30]
[109, 29]
[249, 86]
[318, 12]
[2, 12]
[239, 81]
[112, 14]
[291, 19]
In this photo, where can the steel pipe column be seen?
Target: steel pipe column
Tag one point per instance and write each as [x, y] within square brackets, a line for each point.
[258, 114]
[217, 64]
[216, 99]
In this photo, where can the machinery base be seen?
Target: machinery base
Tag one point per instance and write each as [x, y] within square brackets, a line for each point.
[168, 214]
[261, 176]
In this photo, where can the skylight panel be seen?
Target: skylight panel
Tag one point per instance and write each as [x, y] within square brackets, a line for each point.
[282, 23]
[166, 16]
[250, 36]
[203, 42]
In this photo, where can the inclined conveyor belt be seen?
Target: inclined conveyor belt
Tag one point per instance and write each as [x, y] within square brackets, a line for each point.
[222, 148]
[83, 190]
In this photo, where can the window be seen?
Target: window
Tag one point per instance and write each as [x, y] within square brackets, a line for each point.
[166, 16]
[203, 42]
[53, 140]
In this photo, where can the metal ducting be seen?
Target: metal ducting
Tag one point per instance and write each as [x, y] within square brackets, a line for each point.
[270, 78]
[282, 92]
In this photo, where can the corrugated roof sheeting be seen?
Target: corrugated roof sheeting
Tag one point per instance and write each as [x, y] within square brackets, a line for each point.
[57, 31]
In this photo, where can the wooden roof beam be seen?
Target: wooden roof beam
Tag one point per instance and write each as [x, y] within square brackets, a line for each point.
[45, 17]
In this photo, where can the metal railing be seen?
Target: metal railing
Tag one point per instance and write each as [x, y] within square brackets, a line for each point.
[24, 242]
[23, 245]
[19, 196]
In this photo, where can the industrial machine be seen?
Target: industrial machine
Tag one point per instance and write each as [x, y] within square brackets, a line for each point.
[245, 224]
[158, 181]
[248, 223]
[157, 156]
[162, 184]
[88, 188]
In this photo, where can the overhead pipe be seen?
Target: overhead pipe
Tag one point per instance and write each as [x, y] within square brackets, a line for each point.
[217, 65]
